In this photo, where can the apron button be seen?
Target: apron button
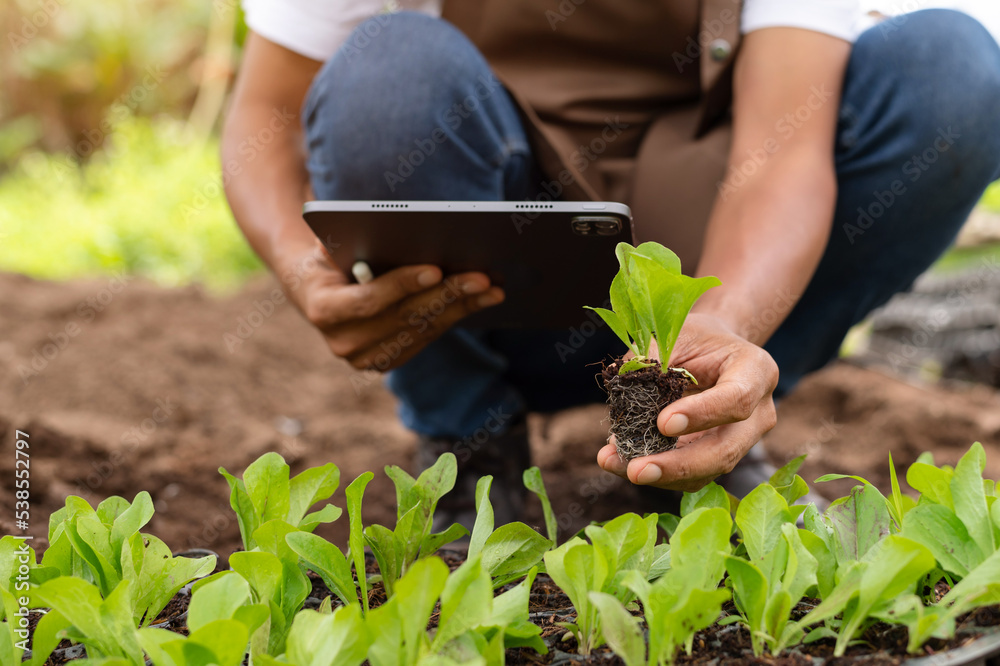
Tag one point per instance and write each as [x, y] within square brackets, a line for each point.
[720, 49]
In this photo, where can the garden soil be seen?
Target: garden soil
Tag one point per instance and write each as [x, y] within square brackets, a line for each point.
[123, 386]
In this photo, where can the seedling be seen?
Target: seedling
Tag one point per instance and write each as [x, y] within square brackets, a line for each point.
[650, 299]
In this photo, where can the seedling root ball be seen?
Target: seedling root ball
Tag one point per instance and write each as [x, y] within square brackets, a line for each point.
[635, 399]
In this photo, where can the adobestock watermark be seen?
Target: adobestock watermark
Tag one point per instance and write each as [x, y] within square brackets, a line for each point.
[824, 434]
[562, 12]
[129, 441]
[248, 150]
[578, 335]
[711, 31]
[766, 320]
[896, 16]
[580, 159]
[57, 341]
[418, 323]
[263, 309]
[453, 118]
[32, 23]
[973, 286]
[739, 174]
[910, 172]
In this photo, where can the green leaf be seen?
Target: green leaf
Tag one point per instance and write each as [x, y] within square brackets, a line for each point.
[751, 588]
[532, 478]
[484, 517]
[356, 540]
[759, 518]
[383, 545]
[933, 483]
[340, 639]
[434, 542]
[667, 296]
[620, 629]
[512, 550]
[788, 483]
[633, 364]
[712, 495]
[614, 323]
[858, 523]
[267, 484]
[311, 486]
[700, 544]
[217, 600]
[328, 561]
[969, 498]
[240, 502]
[129, 521]
[466, 602]
[941, 531]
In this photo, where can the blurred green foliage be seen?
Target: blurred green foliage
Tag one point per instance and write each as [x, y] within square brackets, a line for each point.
[151, 203]
[991, 200]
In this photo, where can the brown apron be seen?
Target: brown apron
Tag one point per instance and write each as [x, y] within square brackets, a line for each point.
[625, 100]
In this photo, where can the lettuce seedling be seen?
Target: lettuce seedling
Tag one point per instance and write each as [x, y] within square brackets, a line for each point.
[88, 543]
[105, 546]
[338, 638]
[650, 299]
[509, 552]
[220, 620]
[79, 613]
[579, 568]
[870, 586]
[532, 478]
[277, 579]
[898, 504]
[685, 600]
[266, 493]
[953, 518]
[397, 550]
[473, 625]
[981, 587]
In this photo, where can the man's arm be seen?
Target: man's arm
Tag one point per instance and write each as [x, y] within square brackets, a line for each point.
[764, 240]
[266, 186]
[766, 236]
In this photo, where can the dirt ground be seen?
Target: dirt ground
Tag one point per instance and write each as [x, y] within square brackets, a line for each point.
[123, 386]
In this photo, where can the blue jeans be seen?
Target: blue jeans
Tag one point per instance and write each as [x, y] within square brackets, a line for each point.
[412, 111]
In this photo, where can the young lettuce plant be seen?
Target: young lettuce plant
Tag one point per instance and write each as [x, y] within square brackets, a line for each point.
[277, 580]
[473, 626]
[396, 550]
[957, 519]
[325, 638]
[267, 493]
[79, 613]
[683, 601]
[509, 552]
[105, 546]
[650, 299]
[220, 620]
[579, 568]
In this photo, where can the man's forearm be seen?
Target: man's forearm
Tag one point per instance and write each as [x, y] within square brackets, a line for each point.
[267, 183]
[765, 239]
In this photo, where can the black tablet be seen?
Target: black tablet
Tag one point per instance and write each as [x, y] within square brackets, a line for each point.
[551, 258]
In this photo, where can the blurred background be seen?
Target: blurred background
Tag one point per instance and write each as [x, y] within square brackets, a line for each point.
[109, 120]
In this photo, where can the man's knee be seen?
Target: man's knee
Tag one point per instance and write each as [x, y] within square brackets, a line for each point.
[947, 65]
[398, 84]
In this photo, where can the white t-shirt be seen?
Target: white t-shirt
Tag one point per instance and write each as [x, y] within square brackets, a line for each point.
[317, 28]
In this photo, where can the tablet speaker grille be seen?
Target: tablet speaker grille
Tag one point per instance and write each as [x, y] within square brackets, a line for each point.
[388, 205]
[525, 206]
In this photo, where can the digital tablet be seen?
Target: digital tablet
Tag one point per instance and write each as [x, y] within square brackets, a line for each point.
[551, 258]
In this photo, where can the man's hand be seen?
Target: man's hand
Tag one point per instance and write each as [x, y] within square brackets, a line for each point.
[718, 424]
[383, 323]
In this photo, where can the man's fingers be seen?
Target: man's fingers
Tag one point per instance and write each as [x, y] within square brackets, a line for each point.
[735, 397]
[361, 301]
[405, 341]
[693, 464]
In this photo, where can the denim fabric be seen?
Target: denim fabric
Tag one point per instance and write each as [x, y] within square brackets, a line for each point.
[409, 109]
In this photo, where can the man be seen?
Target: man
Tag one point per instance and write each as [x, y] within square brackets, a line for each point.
[814, 170]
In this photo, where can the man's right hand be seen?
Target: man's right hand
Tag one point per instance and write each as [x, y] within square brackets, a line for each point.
[381, 324]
